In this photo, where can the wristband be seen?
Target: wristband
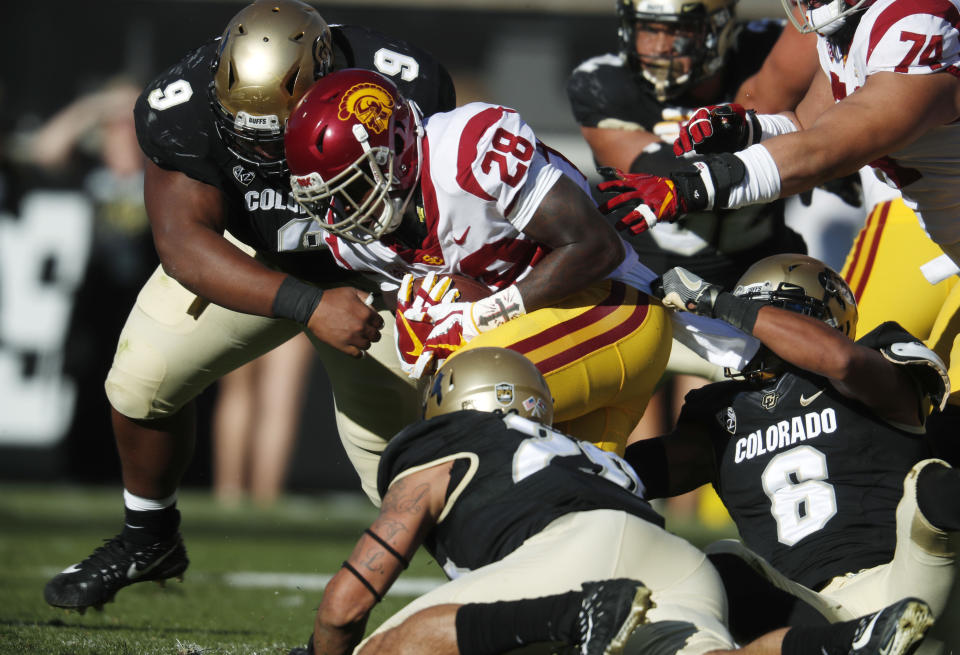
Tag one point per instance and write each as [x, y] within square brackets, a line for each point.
[738, 312]
[366, 583]
[387, 547]
[296, 300]
[759, 184]
[772, 125]
[492, 311]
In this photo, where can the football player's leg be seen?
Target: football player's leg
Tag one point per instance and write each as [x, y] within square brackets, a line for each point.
[374, 400]
[601, 350]
[578, 548]
[883, 270]
[922, 565]
[172, 346]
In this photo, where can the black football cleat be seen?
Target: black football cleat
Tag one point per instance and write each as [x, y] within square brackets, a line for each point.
[113, 566]
[609, 613]
[897, 629]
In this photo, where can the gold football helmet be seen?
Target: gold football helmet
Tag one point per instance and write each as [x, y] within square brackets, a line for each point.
[269, 55]
[801, 284]
[674, 44]
[490, 380]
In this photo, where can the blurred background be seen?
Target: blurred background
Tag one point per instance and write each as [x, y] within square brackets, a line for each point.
[75, 245]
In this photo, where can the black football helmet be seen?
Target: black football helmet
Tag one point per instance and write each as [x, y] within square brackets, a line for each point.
[690, 40]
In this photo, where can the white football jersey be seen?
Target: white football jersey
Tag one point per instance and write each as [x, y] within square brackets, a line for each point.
[912, 37]
[483, 175]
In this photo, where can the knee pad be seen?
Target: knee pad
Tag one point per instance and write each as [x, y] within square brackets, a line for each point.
[133, 381]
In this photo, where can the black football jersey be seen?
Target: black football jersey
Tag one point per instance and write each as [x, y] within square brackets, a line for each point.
[604, 88]
[811, 478]
[511, 478]
[176, 129]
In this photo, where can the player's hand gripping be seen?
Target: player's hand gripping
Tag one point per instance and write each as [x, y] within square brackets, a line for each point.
[684, 291]
[718, 128]
[345, 320]
[412, 323]
[456, 323]
[658, 199]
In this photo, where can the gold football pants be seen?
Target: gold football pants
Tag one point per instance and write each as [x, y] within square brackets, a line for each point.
[602, 351]
[883, 270]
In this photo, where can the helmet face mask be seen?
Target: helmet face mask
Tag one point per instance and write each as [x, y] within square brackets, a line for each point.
[800, 284]
[495, 380]
[353, 147]
[824, 17]
[673, 45]
[269, 55]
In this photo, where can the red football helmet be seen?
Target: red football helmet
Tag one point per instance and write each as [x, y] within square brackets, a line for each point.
[353, 147]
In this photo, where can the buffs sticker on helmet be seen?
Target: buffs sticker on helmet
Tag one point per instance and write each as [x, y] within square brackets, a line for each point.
[269, 55]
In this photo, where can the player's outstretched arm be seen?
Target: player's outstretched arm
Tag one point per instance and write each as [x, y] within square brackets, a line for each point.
[584, 248]
[408, 512]
[617, 148]
[856, 371]
[188, 219]
[889, 112]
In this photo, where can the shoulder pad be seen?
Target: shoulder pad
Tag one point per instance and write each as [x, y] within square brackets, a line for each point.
[903, 349]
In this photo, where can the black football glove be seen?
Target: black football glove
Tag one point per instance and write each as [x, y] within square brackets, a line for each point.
[718, 128]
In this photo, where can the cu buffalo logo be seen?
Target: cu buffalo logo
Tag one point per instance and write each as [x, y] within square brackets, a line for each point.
[370, 104]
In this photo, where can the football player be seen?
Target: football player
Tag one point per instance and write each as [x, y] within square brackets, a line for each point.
[888, 258]
[816, 447]
[242, 268]
[545, 539]
[473, 192]
[889, 97]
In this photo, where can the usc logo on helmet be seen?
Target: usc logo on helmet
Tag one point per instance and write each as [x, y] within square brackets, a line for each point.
[370, 103]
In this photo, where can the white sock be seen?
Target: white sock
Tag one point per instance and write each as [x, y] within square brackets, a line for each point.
[139, 504]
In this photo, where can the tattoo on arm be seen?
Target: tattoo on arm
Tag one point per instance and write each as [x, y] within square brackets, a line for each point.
[405, 498]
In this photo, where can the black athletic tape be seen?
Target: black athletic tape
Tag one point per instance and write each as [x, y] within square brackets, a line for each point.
[390, 549]
[366, 583]
[727, 171]
[296, 300]
[738, 312]
[691, 189]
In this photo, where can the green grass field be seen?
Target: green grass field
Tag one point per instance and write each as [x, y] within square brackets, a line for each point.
[254, 582]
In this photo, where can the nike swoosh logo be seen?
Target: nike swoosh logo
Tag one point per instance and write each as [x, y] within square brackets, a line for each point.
[463, 237]
[133, 572]
[804, 401]
[864, 637]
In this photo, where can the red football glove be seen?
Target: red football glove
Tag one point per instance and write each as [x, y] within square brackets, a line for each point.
[452, 327]
[718, 128]
[658, 198]
[412, 324]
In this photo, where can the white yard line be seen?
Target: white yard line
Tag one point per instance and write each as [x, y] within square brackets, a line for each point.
[316, 582]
